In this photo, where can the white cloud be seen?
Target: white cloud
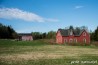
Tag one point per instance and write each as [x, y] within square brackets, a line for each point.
[52, 20]
[15, 13]
[77, 7]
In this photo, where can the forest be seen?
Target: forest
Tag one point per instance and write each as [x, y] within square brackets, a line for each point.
[7, 32]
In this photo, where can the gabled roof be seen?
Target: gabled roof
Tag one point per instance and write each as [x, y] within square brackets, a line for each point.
[66, 32]
[24, 34]
[63, 32]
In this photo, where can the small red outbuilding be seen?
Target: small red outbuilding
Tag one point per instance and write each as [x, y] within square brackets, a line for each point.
[72, 36]
[25, 36]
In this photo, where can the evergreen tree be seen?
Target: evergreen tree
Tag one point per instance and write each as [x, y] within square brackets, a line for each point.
[94, 35]
[7, 32]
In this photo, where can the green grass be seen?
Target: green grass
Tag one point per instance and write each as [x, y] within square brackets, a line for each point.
[9, 43]
[43, 53]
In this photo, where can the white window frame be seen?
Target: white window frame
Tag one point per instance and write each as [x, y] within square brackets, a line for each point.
[84, 40]
[70, 40]
[75, 40]
[65, 40]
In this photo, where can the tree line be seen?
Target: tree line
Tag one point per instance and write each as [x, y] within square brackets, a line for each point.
[48, 35]
[7, 32]
[52, 34]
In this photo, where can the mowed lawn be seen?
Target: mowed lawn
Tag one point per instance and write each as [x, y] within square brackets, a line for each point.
[43, 53]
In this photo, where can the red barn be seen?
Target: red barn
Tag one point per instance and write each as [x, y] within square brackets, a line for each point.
[72, 36]
[25, 36]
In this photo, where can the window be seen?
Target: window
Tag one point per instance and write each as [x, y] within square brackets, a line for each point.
[75, 40]
[84, 40]
[84, 34]
[71, 40]
[65, 40]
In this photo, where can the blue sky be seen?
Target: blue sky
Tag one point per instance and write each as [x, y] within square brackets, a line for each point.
[45, 15]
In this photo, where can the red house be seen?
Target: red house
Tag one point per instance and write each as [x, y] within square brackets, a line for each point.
[25, 36]
[72, 36]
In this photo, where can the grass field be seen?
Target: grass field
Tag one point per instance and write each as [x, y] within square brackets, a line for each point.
[43, 53]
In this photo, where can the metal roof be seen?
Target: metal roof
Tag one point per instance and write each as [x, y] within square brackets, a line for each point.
[66, 32]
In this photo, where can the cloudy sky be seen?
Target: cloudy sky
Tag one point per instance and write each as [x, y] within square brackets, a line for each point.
[45, 15]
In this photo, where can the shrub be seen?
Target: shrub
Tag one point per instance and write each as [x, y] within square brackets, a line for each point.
[77, 44]
[95, 43]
